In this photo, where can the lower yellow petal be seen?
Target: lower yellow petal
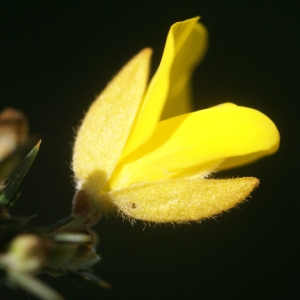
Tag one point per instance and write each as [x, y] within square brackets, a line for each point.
[179, 200]
[104, 131]
[197, 143]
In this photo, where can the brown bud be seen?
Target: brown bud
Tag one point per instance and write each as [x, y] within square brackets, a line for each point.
[13, 131]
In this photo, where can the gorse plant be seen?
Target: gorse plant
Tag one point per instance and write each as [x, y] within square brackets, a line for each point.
[139, 153]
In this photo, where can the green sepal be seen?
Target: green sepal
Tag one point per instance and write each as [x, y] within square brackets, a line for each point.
[12, 161]
[7, 193]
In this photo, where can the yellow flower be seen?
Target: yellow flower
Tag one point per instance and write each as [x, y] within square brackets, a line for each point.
[127, 160]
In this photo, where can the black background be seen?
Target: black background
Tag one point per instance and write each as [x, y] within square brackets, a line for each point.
[55, 57]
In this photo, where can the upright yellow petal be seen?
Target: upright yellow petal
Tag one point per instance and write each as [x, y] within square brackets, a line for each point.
[104, 131]
[197, 143]
[178, 200]
[185, 46]
[186, 59]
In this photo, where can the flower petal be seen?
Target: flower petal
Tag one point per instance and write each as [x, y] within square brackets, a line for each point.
[104, 131]
[197, 143]
[186, 60]
[185, 46]
[179, 200]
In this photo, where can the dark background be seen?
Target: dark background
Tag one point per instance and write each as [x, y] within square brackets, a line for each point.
[55, 57]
